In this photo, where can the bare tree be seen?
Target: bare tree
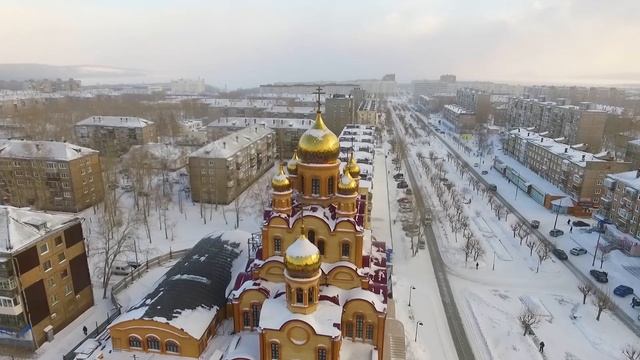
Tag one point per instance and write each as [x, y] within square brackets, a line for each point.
[631, 352]
[468, 249]
[585, 289]
[478, 250]
[603, 302]
[515, 227]
[531, 244]
[523, 232]
[543, 252]
[528, 319]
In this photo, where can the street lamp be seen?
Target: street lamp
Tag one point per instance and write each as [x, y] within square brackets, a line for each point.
[411, 289]
[593, 263]
[418, 323]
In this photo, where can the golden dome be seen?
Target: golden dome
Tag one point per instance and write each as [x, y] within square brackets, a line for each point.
[319, 144]
[302, 258]
[352, 166]
[347, 185]
[292, 164]
[280, 182]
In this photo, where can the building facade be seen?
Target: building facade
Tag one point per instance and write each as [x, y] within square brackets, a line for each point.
[223, 169]
[460, 118]
[50, 175]
[44, 275]
[475, 101]
[114, 135]
[339, 112]
[578, 173]
[367, 113]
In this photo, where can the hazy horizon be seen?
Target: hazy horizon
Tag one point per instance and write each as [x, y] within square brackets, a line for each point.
[247, 43]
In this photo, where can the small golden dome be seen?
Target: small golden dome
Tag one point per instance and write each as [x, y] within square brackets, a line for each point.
[280, 182]
[292, 164]
[352, 166]
[347, 185]
[302, 258]
[319, 144]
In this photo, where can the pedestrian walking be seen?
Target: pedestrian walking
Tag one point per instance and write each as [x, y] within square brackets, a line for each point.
[568, 221]
[542, 346]
[571, 229]
[477, 266]
[84, 330]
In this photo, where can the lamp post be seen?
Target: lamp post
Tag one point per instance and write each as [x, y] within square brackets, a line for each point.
[418, 323]
[593, 263]
[411, 289]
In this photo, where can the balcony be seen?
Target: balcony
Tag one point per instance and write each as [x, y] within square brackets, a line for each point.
[606, 202]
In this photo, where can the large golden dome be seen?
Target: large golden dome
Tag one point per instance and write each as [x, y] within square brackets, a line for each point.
[292, 164]
[352, 166]
[319, 144]
[280, 182]
[347, 185]
[302, 258]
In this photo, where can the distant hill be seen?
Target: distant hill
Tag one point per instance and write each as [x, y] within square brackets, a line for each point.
[43, 71]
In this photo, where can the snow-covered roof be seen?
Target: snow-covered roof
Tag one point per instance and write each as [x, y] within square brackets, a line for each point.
[629, 178]
[195, 288]
[271, 122]
[458, 109]
[20, 227]
[229, 145]
[115, 121]
[45, 150]
[324, 320]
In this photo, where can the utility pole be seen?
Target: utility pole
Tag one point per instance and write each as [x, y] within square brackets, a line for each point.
[418, 323]
[410, 290]
[593, 263]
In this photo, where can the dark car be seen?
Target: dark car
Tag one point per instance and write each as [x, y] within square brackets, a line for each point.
[623, 290]
[556, 232]
[560, 254]
[398, 176]
[535, 224]
[484, 172]
[402, 185]
[492, 187]
[600, 276]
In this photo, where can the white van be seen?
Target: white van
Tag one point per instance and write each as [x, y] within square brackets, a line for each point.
[121, 268]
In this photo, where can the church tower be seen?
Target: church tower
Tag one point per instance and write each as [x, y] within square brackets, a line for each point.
[282, 193]
[302, 275]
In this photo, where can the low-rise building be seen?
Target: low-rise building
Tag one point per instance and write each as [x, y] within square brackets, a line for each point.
[286, 131]
[223, 169]
[621, 207]
[44, 275]
[114, 135]
[49, 175]
[367, 113]
[580, 174]
[462, 119]
[475, 101]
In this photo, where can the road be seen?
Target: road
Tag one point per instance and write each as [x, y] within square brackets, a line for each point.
[456, 326]
[621, 315]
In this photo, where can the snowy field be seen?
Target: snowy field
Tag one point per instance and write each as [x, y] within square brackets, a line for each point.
[491, 300]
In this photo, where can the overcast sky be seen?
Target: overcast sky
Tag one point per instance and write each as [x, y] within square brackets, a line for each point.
[245, 42]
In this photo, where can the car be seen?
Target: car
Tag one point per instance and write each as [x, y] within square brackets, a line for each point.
[484, 172]
[402, 185]
[534, 224]
[492, 187]
[560, 254]
[408, 192]
[121, 268]
[398, 176]
[556, 232]
[577, 251]
[476, 164]
[623, 290]
[600, 276]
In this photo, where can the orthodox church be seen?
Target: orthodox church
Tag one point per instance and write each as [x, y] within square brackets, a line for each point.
[317, 288]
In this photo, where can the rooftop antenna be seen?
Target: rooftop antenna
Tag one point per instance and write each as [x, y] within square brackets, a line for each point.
[318, 92]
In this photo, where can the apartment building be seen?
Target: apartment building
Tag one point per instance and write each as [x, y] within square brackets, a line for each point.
[632, 153]
[578, 173]
[367, 113]
[223, 169]
[114, 135]
[475, 101]
[434, 103]
[286, 131]
[621, 207]
[462, 120]
[339, 111]
[44, 275]
[49, 175]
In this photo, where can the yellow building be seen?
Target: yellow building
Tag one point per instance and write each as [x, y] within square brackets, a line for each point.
[318, 287]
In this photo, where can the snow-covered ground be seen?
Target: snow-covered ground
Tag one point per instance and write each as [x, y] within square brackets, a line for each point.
[491, 300]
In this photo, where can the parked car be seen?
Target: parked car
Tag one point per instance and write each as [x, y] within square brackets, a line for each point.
[402, 185]
[556, 232]
[623, 290]
[600, 276]
[560, 254]
[535, 224]
[408, 192]
[484, 172]
[476, 164]
[577, 251]
[121, 268]
[492, 187]
[398, 176]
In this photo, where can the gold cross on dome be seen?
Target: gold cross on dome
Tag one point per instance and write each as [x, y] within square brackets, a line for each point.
[318, 92]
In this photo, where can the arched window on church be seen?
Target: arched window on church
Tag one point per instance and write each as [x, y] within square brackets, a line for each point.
[310, 298]
[321, 247]
[275, 351]
[153, 343]
[134, 342]
[359, 326]
[315, 186]
[346, 249]
[311, 235]
[172, 346]
[299, 296]
[322, 353]
[330, 189]
[255, 315]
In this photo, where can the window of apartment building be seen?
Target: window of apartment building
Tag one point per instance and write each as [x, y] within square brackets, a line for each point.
[54, 299]
[67, 194]
[61, 257]
[91, 178]
[16, 163]
[597, 191]
[51, 282]
[64, 274]
[65, 185]
[62, 165]
[51, 165]
[44, 248]
[64, 174]
[68, 289]
[82, 171]
[20, 182]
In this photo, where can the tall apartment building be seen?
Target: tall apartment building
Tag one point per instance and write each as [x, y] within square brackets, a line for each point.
[49, 175]
[114, 135]
[286, 131]
[475, 101]
[580, 174]
[577, 124]
[621, 207]
[462, 120]
[44, 275]
[367, 113]
[339, 111]
[575, 94]
[223, 169]
[431, 87]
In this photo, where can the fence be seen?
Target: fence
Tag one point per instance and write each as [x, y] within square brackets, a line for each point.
[118, 287]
